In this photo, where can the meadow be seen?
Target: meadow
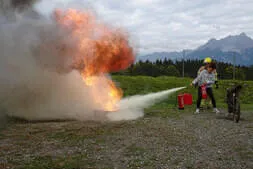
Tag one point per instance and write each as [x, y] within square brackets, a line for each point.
[133, 85]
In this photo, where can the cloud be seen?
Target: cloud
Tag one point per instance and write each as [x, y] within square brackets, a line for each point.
[168, 25]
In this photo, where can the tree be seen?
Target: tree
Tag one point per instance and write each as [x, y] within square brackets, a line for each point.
[239, 73]
[171, 70]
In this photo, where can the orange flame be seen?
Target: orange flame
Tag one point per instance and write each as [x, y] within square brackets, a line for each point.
[98, 50]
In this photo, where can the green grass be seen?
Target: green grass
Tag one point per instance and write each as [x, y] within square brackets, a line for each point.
[133, 85]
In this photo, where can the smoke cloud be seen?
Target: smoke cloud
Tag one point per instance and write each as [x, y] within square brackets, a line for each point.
[37, 84]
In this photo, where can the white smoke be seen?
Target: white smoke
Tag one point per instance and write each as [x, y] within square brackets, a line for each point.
[132, 108]
[31, 92]
[27, 89]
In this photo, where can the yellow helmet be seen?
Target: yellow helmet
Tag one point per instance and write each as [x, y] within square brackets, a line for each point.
[208, 60]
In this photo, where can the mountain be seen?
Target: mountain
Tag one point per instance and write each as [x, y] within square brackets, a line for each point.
[230, 43]
[161, 56]
[240, 46]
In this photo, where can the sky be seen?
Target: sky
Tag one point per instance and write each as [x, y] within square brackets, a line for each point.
[168, 25]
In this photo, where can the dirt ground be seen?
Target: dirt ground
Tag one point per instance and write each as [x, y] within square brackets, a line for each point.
[182, 141]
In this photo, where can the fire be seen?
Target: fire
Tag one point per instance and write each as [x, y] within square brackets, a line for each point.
[115, 94]
[97, 50]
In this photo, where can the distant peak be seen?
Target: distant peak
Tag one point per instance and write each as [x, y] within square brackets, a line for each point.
[243, 34]
[212, 40]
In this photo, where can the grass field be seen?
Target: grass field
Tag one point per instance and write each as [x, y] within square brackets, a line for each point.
[133, 85]
[164, 138]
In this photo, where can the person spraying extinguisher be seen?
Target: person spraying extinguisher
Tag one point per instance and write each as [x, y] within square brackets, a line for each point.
[204, 82]
[206, 62]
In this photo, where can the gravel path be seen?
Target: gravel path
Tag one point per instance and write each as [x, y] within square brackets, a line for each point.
[188, 141]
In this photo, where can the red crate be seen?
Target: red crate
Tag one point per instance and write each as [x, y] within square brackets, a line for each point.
[188, 99]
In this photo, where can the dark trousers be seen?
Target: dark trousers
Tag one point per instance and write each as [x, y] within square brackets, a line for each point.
[209, 92]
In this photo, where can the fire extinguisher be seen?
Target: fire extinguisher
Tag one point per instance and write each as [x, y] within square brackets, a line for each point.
[203, 91]
[180, 99]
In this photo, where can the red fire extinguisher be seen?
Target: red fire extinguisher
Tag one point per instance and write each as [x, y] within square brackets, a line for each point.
[203, 91]
[180, 99]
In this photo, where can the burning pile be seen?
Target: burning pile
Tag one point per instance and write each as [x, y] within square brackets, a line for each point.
[94, 51]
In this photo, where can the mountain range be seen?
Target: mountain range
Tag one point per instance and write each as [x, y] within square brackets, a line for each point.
[238, 48]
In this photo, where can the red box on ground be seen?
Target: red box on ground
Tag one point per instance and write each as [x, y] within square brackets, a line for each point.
[188, 99]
